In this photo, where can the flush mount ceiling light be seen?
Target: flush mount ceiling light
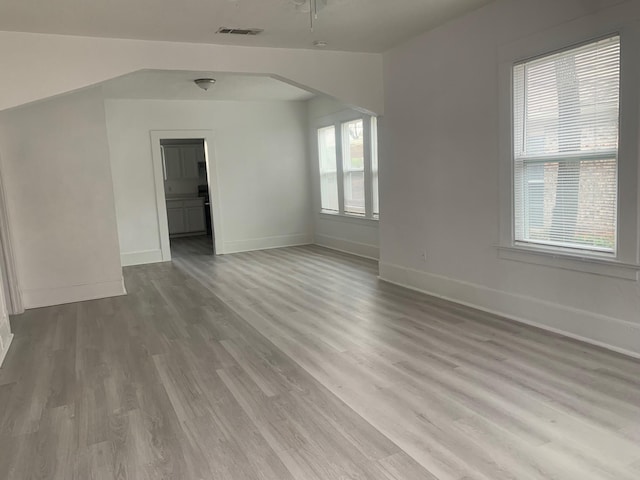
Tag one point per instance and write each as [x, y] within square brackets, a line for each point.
[205, 83]
[320, 44]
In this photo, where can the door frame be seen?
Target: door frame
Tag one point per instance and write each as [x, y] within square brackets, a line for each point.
[212, 182]
[10, 280]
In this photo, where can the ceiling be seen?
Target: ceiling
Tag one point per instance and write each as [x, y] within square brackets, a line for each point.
[178, 85]
[352, 25]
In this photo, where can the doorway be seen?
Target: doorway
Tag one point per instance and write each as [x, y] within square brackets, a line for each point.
[8, 272]
[186, 193]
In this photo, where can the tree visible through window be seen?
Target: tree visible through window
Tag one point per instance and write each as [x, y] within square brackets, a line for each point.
[566, 147]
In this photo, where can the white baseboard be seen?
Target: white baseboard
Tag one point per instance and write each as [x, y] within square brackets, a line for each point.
[266, 243]
[140, 258]
[5, 348]
[74, 293]
[347, 246]
[611, 333]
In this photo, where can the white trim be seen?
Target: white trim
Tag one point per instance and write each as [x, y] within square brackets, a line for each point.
[140, 258]
[73, 293]
[347, 246]
[353, 219]
[13, 299]
[5, 348]
[611, 333]
[212, 180]
[566, 261]
[265, 243]
[346, 115]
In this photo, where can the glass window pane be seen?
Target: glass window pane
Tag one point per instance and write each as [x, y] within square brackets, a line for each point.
[328, 168]
[354, 192]
[353, 166]
[570, 203]
[374, 166]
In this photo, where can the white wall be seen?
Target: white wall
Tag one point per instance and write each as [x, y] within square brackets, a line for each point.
[353, 235]
[263, 175]
[37, 66]
[55, 165]
[440, 170]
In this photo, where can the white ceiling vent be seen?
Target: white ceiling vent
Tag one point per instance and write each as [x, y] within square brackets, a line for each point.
[240, 31]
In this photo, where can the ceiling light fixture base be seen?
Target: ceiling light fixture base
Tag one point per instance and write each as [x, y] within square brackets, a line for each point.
[205, 83]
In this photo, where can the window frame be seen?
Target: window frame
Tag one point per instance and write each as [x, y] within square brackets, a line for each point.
[624, 262]
[338, 121]
[559, 158]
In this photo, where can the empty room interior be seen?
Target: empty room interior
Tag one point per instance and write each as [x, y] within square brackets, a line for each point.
[320, 240]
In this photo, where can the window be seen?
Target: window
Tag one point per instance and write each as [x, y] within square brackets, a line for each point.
[565, 139]
[353, 166]
[374, 167]
[348, 166]
[328, 168]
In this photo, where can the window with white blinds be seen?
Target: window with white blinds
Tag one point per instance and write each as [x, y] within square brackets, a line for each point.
[374, 167]
[565, 135]
[348, 166]
[328, 168]
[353, 167]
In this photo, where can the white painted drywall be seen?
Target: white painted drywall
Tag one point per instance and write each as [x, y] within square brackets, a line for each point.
[37, 66]
[260, 154]
[55, 164]
[439, 177]
[353, 235]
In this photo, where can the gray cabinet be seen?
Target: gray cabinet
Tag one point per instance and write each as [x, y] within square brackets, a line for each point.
[177, 224]
[181, 161]
[190, 157]
[172, 163]
[186, 216]
[194, 217]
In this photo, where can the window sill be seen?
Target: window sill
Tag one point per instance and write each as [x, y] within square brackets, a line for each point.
[607, 267]
[349, 218]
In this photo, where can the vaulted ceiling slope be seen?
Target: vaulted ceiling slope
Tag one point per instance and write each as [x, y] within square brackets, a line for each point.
[351, 25]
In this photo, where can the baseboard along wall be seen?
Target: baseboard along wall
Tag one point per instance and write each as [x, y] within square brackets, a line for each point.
[611, 333]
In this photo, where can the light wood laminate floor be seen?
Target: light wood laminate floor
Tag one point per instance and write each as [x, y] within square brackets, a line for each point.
[299, 363]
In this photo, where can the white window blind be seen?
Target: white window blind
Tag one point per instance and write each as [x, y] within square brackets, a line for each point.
[328, 168]
[353, 166]
[374, 167]
[566, 147]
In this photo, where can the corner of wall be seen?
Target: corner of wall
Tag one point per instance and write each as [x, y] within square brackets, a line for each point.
[348, 246]
[266, 243]
[129, 259]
